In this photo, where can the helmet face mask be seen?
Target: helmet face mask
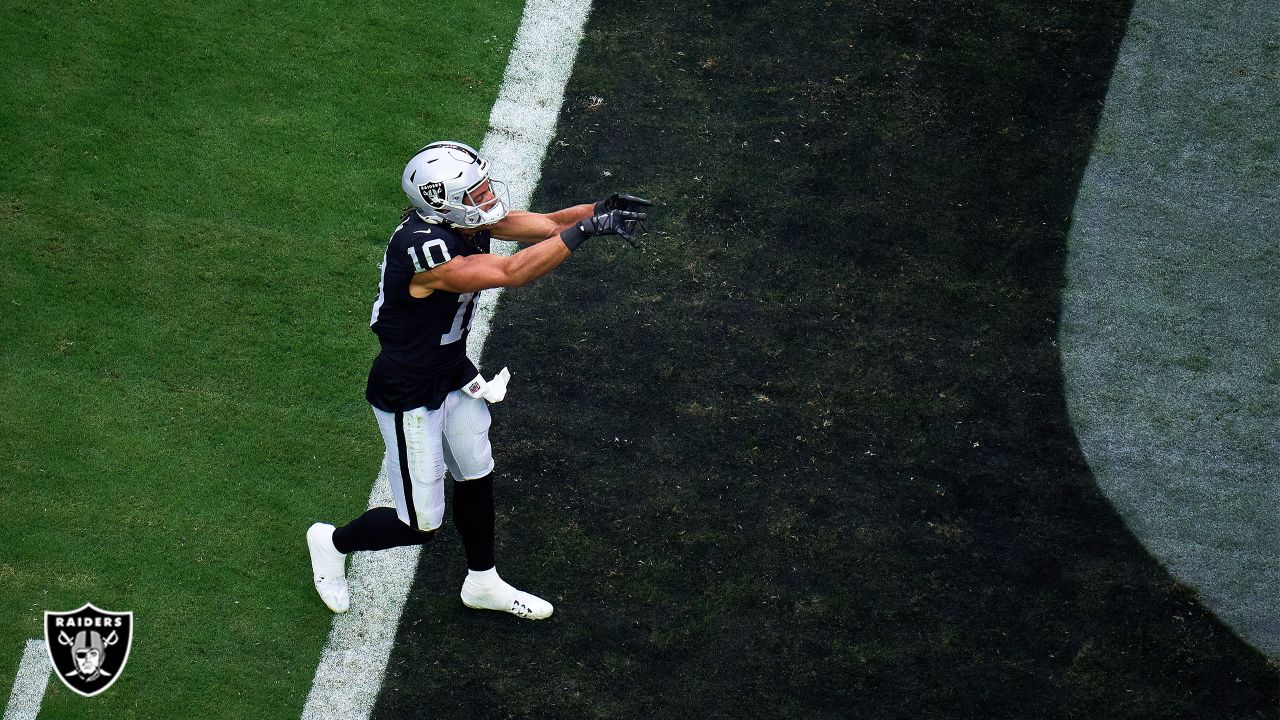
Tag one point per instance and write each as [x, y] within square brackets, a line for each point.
[487, 202]
[448, 183]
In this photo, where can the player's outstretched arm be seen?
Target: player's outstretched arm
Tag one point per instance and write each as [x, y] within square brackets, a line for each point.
[479, 272]
[524, 226]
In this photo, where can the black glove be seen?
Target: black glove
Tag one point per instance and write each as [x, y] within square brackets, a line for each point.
[621, 201]
[623, 223]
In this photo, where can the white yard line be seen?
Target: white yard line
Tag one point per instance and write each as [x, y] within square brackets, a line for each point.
[30, 683]
[521, 125]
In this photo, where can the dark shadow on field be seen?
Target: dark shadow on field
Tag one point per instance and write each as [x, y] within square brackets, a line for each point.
[806, 453]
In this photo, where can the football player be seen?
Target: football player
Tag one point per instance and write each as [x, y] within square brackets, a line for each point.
[427, 396]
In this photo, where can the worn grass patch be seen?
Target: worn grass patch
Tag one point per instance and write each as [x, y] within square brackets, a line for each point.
[806, 453]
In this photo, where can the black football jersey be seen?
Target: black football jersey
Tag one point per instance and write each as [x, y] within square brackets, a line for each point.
[424, 340]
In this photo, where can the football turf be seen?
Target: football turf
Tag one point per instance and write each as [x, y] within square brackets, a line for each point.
[1170, 313]
[193, 203]
[806, 453]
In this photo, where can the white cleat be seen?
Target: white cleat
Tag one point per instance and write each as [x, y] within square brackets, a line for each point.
[486, 591]
[328, 568]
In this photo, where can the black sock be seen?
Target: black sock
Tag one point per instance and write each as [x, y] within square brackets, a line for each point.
[377, 529]
[473, 514]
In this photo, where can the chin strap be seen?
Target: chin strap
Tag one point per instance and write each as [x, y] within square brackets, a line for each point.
[492, 390]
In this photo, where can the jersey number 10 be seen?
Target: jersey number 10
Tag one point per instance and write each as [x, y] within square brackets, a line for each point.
[462, 320]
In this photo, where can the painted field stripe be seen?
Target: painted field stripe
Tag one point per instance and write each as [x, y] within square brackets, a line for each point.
[29, 685]
[521, 125]
[523, 119]
[1170, 314]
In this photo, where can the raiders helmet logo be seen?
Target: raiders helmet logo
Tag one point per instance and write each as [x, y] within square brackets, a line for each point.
[433, 193]
[88, 647]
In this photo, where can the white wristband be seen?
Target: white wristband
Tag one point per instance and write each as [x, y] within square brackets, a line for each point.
[492, 390]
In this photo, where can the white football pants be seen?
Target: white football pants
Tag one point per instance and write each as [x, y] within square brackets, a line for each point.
[421, 443]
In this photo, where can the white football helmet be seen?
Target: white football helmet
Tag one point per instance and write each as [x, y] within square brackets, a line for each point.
[448, 182]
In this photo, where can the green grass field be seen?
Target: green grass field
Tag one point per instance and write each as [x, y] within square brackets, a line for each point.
[193, 202]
